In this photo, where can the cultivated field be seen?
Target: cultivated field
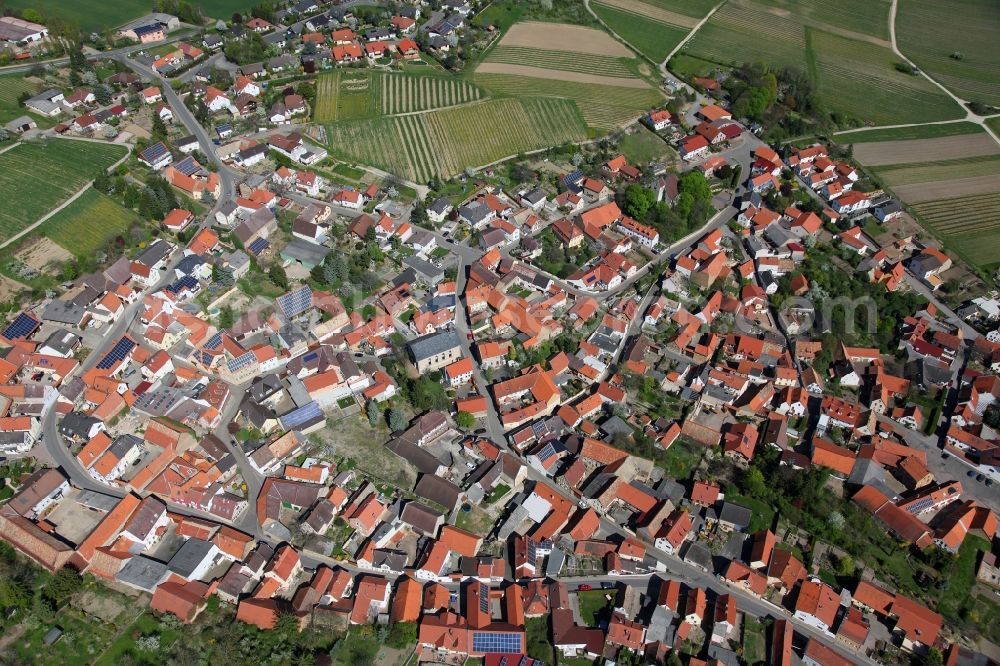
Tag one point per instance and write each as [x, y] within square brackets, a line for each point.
[853, 70]
[603, 107]
[930, 31]
[859, 137]
[566, 61]
[347, 95]
[558, 75]
[949, 176]
[564, 37]
[864, 17]
[98, 16]
[652, 12]
[860, 79]
[969, 225]
[403, 93]
[596, 72]
[651, 38]
[446, 141]
[922, 191]
[919, 150]
[88, 224]
[343, 96]
[65, 166]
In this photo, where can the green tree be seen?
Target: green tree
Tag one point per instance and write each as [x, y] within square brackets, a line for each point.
[397, 420]
[226, 317]
[637, 201]
[159, 130]
[276, 274]
[465, 420]
[374, 413]
[63, 585]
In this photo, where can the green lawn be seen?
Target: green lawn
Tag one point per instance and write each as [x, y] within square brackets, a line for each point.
[88, 224]
[957, 603]
[763, 513]
[682, 458]
[644, 146]
[754, 640]
[592, 606]
[67, 165]
[11, 87]
[124, 647]
[907, 133]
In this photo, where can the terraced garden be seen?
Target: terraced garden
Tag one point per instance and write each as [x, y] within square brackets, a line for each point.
[85, 226]
[67, 165]
[446, 141]
[956, 42]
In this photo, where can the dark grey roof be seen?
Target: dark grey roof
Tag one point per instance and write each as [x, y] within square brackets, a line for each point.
[192, 553]
[154, 253]
[441, 205]
[421, 517]
[63, 312]
[432, 344]
[418, 457]
[142, 572]
[737, 515]
[438, 490]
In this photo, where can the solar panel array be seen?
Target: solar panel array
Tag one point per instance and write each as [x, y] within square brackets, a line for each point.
[118, 353]
[154, 152]
[241, 361]
[532, 551]
[295, 302]
[310, 357]
[487, 641]
[188, 166]
[297, 417]
[188, 282]
[259, 246]
[214, 342]
[22, 327]
[484, 599]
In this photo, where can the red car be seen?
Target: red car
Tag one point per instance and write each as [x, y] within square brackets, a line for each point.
[584, 587]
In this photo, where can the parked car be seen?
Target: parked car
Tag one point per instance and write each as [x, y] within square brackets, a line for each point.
[584, 587]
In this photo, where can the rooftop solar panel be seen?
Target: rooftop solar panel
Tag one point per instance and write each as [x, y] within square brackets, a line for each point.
[118, 353]
[241, 361]
[22, 327]
[301, 415]
[259, 246]
[484, 599]
[295, 302]
[485, 642]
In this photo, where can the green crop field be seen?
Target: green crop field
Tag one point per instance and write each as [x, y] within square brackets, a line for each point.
[908, 133]
[407, 93]
[969, 225]
[930, 31]
[37, 177]
[859, 79]
[87, 224]
[98, 16]
[853, 71]
[653, 39]
[446, 141]
[644, 146]
[585, 63]
[994, 124]
[865, 17]
[603, 107]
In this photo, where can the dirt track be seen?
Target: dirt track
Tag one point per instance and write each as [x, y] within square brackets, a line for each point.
[559, 75]
[948, 189]
[881, 153]
[561, 37]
